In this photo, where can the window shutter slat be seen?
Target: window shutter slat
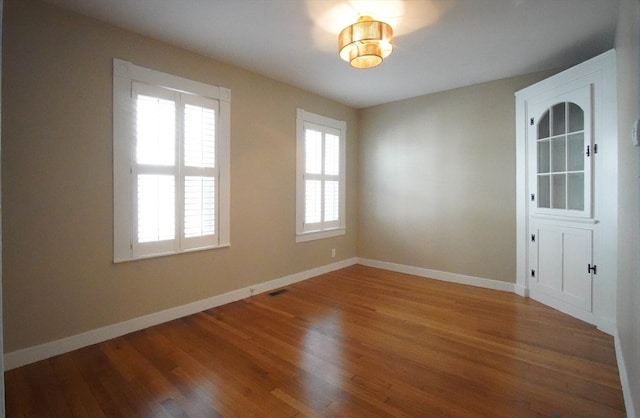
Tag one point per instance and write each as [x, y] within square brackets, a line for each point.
[199, 206]
[332, 155]
[313, 151]
[313, 201]
[156, 208]
[199, 136]
[155, 130]
[331, 201]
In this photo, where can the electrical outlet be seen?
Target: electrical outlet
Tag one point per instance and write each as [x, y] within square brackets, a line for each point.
[333, 253]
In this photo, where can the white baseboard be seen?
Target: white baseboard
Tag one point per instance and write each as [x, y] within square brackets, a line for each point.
[43, 351]
[606, 326]
[603, 324]
[440, 275]
[624, 378]
[521, 290]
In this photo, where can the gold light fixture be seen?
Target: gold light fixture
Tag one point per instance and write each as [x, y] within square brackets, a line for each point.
[365, 43]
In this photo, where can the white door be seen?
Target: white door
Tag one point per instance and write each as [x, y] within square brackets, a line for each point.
[560, 181]
[566, 153]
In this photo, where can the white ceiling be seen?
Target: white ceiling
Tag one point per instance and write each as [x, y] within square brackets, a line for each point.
[439, 44]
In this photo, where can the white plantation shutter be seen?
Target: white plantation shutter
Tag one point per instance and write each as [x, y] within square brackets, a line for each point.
[321, 177]
[332, 173]
[320, 182]
[312, 178]
[154, 170]
[170, 150]
[163, 154]
[200, 171]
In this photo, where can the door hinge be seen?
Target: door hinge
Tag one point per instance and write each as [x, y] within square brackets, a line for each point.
[533, 273]
[592, 269]
[533, 197]
[531, 122]
[533, 237]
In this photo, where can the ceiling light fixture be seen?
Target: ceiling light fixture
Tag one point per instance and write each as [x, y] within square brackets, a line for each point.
[365, 43]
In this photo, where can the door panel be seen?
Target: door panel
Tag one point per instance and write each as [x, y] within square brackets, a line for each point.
[562, 257]
[577, 279]
[550, 252]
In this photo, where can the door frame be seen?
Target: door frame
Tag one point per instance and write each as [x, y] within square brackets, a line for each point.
[600, 72]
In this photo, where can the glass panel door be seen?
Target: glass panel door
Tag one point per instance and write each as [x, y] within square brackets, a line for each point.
[562, 149]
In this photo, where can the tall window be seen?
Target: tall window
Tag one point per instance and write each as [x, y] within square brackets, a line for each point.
[171, 164]
[321, 176]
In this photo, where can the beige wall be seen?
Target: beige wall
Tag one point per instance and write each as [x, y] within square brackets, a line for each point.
[437, 180]
[59, 279]
[628, 301]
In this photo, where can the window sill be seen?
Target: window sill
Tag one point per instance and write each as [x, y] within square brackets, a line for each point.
[118, 260]
[311, 236]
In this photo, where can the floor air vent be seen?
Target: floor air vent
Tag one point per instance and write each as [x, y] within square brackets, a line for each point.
[277, 292]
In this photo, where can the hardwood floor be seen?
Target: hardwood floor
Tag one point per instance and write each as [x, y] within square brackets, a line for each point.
[358, 342]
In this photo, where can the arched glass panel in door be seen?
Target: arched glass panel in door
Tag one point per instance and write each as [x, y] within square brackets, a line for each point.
[561, 158]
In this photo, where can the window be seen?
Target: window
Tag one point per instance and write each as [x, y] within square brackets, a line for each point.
[562, 158]
[320, 176]
[171, 164]
[562, 151]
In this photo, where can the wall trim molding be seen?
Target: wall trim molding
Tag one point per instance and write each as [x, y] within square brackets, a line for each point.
[521, 290]
[624, 378]
[43, 351]
[441, 275]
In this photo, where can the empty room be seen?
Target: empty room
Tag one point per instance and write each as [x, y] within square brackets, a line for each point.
[320, 208]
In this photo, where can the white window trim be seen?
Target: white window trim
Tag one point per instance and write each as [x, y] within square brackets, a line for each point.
[124, 75]
[303, 235]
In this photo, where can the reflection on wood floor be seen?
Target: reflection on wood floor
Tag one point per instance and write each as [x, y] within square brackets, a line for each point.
[358, 342]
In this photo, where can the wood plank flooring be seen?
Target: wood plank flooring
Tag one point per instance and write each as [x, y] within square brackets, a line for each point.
[358, 342]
